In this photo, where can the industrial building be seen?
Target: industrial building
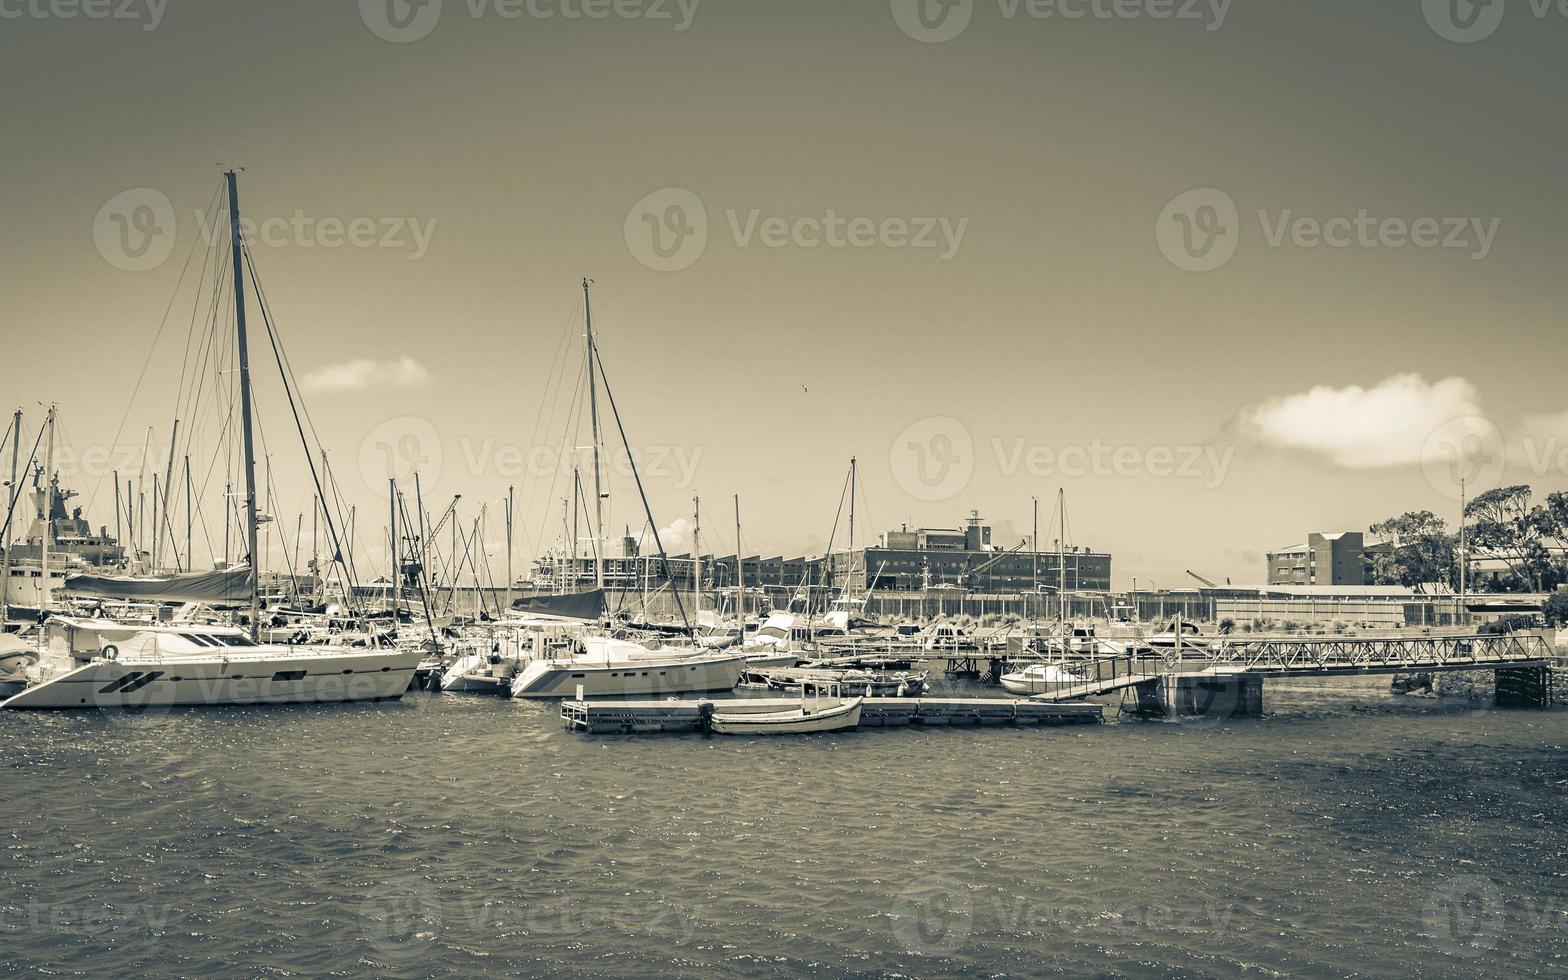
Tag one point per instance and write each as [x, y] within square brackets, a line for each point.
[966, 558]
[1327, 558]
[903, 560]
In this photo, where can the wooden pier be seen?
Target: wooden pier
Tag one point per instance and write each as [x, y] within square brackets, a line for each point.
[615, 717]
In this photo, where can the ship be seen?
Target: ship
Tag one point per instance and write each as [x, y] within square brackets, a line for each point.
[60, 542]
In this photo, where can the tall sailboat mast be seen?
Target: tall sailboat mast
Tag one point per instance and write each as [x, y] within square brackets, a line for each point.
[397, 567]
[696, 557]
[509, 490]
[593, 415]
[849, 584]
[249, 459]
[740, 577]
[1061, 553]
[48, 489]
[12, 492]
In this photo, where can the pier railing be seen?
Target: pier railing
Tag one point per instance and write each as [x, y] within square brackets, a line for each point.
[1358, 654]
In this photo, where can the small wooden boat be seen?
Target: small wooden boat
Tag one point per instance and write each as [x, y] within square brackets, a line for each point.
[823, 708]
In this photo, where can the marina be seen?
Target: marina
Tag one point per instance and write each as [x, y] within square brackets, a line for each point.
[898, 490]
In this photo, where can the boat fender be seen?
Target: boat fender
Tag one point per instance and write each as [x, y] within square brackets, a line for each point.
[705, 717]
[110, 651]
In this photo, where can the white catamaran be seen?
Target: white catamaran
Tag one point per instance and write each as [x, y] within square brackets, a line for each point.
[104, 663]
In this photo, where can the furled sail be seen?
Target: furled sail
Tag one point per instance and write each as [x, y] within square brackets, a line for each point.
[581, 605]
[222, 587]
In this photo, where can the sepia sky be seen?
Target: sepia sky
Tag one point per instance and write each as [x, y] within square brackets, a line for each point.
[1227, 276]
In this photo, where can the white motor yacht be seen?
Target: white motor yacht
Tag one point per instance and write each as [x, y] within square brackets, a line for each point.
[1042, 679]
[96, 663]
[607, 667]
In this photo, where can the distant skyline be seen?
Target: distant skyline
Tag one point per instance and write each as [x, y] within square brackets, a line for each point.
[1226, 276]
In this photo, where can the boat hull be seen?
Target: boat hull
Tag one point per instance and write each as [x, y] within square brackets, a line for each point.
[358, 675]
[658, 678]
[475, 674]
[798, 722]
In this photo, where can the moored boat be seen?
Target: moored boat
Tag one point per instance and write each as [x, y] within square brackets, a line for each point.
[1041, 679]
[823, 708]
[617, 668]
[145, 666]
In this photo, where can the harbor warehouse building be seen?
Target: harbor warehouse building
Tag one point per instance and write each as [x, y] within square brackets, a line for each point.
[910, 559]
[905, 560]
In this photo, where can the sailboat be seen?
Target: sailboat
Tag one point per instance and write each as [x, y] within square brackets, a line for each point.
[103, 663]
[606, 666]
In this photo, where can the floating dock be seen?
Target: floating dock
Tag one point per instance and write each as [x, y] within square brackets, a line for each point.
[646, 717]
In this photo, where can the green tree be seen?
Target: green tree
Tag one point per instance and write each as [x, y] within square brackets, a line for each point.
[1503, 524]
[1556, 609]
[1422, 550]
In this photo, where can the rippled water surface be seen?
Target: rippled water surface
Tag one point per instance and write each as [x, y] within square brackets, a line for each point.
[1346, 833]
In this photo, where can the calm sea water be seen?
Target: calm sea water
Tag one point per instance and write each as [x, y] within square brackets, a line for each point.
[454, 836]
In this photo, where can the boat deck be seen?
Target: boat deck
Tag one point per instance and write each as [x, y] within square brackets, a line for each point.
[629, 717]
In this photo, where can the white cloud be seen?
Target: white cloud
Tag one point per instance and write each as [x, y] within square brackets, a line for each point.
[675, 537]
[405, 372]
[1388, 424]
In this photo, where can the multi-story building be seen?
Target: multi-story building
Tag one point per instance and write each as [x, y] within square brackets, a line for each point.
[1331, 558]
[965, 557]
[902, 560]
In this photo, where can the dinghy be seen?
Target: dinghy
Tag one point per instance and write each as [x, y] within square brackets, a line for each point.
[823, 708]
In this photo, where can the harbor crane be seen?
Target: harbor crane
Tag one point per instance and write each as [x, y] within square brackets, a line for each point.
[969, 574]
[1205, 581]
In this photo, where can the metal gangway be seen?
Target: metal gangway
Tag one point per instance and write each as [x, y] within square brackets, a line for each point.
[1308, 656]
